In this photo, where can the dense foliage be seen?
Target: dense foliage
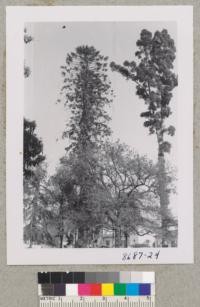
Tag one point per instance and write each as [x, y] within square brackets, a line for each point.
[33, 148]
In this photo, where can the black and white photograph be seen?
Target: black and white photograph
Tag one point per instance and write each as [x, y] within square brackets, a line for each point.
[100, 135]
[100, 130]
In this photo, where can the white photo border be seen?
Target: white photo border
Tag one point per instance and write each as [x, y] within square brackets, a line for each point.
[17, 253]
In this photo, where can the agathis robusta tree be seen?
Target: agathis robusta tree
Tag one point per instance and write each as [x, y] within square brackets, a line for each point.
[155, 80]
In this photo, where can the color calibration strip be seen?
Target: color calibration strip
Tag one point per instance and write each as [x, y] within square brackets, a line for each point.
[104, 289]
[95, 277]
[96, 289]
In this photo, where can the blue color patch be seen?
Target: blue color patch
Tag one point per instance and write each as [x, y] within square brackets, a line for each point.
[132, 289]
[145, 289]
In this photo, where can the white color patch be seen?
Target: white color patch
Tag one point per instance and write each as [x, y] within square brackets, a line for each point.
[72, 289]
[148, 277]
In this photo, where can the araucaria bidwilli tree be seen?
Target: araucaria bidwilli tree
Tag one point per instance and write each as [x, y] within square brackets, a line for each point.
[155, 80]
[87, 94]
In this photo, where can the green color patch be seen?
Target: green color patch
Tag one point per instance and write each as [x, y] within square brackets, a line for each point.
[120, 289]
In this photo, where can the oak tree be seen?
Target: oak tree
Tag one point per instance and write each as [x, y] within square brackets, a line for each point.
[130, 183]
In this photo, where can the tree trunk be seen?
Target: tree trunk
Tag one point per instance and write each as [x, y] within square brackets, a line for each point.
[117, 237]
[82, 237]
[61, 241]
[31, 235]
[32, 225]
[126, 239]
[163, 195]
[61, 223]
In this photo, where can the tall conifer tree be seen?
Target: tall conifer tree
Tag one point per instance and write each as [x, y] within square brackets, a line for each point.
[87, 94]
[155, 80]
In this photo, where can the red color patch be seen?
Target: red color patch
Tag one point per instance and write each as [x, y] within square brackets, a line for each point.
[96, 289]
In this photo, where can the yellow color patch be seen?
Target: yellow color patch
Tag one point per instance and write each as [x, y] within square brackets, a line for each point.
[107, 289]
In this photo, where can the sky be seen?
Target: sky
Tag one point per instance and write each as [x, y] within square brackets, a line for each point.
[47, 52]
